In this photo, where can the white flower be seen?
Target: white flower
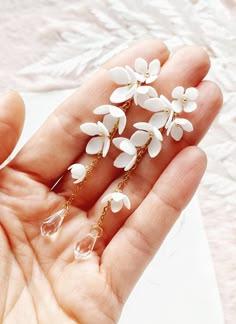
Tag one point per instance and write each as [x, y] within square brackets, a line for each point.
[144, 93]
[141, 137]
[78, 172]
[164, 111]
[128, 158]
[147, 73]
[131, 81]
[127, 78]
[101, 142]
[185, 100]
[118, 200]
[177, 126]
[112, 115]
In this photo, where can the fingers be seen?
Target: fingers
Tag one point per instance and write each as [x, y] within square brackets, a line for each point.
[137, 241]
[59, 141]
[193, 68]
[12, 115]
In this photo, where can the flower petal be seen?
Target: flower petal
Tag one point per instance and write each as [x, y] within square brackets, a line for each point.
[166, 102]
[107, 198]
[122, 160]
[131, 92]
[144, 93]
[131, 163]
[168, 128]
[116, 112]
[116, 141]
[109, 122]
[177, 106]
[106, 146]
[190, 106]
[154, 104]
[116, 206]
[154, 147]
[143, 89]
[120, 94]
[139, 99]
[154, 67]
[128, 147]
[158, 120]
[132, 75]
[169, 121]
[78, 172]
[157, 134]
[126, 202]
[152, 92]
[191, 93]
[176, 132]
[185, 124]
[139, 138]
[103, 129]
[141, 65]
[122, 124]
[178, 92]
[95, 145]
[117, 196]
[141, 78]
[90, 129]
[143, 126]
[151, 79]
[102, 110]
[120, 75]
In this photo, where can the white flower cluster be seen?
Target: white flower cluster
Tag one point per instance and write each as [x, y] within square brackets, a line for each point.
[166, 112]
[133, 81]
[134, 85]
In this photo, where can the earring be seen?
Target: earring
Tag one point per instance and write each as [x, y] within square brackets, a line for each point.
[134, 92]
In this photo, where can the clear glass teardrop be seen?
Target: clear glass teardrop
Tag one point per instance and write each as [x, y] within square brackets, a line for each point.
[52, 224]
[85, 247]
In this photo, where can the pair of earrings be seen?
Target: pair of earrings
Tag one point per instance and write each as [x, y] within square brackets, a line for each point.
[134, 86]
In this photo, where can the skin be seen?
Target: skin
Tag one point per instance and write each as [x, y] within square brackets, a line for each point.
[40, 280]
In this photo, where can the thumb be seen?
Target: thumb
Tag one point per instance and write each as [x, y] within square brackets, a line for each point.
[12, 115]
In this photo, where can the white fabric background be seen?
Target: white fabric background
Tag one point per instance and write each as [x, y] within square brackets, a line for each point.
[54, 44]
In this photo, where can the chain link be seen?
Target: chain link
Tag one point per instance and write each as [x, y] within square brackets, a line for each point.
[103, 214]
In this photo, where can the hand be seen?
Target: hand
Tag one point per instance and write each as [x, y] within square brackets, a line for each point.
[40, 280]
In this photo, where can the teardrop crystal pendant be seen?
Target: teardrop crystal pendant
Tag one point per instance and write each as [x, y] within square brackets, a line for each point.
[52, 224]
[85, 247]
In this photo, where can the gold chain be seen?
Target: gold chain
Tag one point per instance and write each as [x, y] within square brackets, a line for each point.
[103, 214]
[120, 186]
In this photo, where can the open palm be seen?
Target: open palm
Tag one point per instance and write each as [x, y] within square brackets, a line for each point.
[40, 280]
